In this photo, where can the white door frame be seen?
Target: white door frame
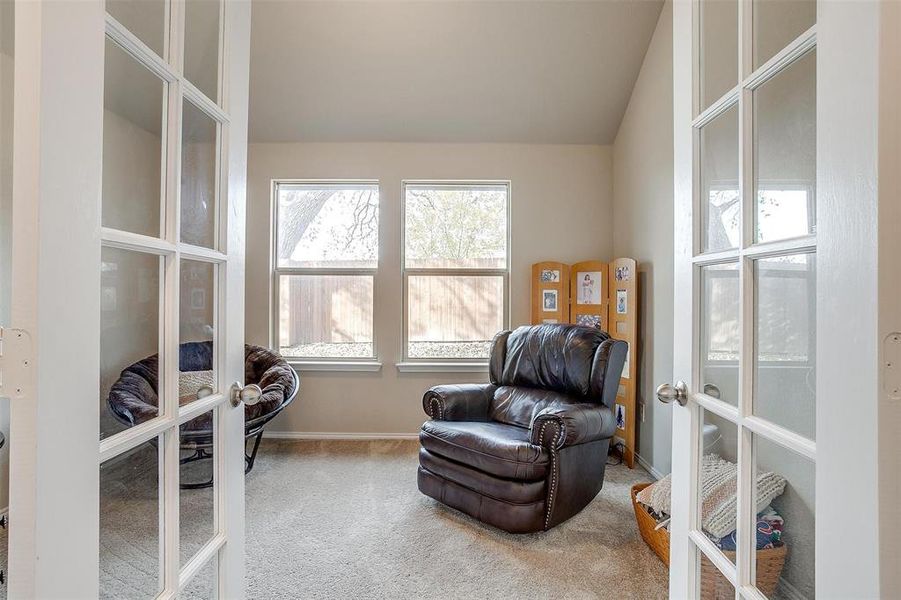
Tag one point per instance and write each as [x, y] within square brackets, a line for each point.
[683, 563]
[858, 455]
[858, 285]
[57, 141]
[54, 474]
[236, 92]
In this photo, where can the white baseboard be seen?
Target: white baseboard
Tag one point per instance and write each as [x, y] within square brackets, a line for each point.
[338, 435]
[334, 435]
[648, 467]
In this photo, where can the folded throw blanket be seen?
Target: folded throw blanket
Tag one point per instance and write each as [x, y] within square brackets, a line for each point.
[769, 532]
[718, 494]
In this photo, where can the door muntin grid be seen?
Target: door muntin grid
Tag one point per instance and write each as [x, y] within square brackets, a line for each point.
[172, 253]
[751, 249]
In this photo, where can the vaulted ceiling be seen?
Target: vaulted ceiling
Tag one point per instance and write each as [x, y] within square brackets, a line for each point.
[445, 71]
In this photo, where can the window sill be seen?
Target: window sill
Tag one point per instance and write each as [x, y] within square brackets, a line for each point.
[361, 366]
[442, 367]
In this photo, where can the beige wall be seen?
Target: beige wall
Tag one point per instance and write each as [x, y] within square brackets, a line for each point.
[643, 229]
[562, 201]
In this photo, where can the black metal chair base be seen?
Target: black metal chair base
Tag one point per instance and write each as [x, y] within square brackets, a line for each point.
[203, 453]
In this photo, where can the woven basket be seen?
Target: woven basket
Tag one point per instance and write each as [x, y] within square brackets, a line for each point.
[714, 586]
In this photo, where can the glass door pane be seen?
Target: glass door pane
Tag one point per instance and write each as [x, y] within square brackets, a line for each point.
[785, 342]
[712, 584]
[785, 523]
[197, 479]
[129, 339]
[720, 202]
[204, 585]
[197, 331]
[199, 161]
[716, 478]
[777, 23]
[719, 49]
[133, 103]
[720, 332]
[785, 148]
[144, 18]
[202, 45]
[130, 524]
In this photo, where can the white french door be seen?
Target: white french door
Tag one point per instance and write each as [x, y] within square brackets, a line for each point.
[745, 109]
[128, 277]
[787, 142]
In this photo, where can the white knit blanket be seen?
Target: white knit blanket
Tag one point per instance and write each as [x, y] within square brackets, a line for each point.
[718, 494]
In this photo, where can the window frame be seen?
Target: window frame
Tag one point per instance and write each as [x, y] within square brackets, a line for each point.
[413, 364]
[320, 363]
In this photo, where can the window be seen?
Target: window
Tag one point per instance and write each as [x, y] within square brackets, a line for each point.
[326, 256]
[456, 259]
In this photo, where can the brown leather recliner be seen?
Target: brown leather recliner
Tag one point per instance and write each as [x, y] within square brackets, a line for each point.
[526, 451]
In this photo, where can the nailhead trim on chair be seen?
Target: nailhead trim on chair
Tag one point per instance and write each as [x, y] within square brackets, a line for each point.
[561, 428]
[553, 488]
[440, 412]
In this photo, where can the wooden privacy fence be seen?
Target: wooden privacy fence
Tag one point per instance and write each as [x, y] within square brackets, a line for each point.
[455, 307]
[325, 309]
[338, 309]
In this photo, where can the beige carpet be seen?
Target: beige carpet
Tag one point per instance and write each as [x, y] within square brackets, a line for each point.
[345, 520]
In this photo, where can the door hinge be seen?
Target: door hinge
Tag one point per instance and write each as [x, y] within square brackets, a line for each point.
[891, 365]
[15, 361]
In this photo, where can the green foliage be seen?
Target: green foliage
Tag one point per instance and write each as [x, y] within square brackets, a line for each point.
[465, 228]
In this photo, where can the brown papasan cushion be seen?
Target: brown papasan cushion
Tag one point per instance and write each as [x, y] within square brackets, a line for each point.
[134, 397]
[274, 376]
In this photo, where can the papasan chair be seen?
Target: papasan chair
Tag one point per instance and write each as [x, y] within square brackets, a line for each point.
[134, 397]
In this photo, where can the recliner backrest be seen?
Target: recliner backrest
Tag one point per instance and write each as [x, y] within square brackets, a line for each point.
[574, 363]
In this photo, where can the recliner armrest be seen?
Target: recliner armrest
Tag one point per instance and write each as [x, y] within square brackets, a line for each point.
[561, 426]
[460, 402]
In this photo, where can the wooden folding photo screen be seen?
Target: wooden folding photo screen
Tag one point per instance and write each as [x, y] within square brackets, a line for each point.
[603, 295]
[623, 321]
[550, 293]
[588, 294]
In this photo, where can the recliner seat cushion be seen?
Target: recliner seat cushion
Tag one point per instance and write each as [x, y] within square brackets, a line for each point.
[507, 490]
[494, 448]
